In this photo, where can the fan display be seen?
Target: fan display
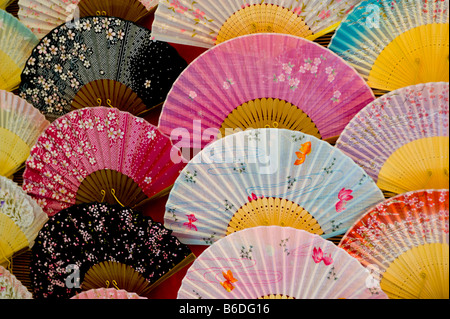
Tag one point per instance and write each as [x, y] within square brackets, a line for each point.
[17, 42]
[104, 293]
[42, 16]
[394, 44]
[272, 262]
[100, 155]
[20, 126]
[11, 287]
[402, 138]
[97, 245]
[204, 24]
[268, 177]
[21, 218]
[99, 61]
[263, 80]
[404, 241]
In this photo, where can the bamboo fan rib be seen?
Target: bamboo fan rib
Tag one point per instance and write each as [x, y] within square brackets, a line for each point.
[20, 126]
[205, 24]
[5, 3]
[404, 241]
[401, 139]
[43, 16]
[100, 154]
[260, 81]
[396, 44]
[96, 61]
[96, 245]
[267, 177]
[276, 262]
[15, 48]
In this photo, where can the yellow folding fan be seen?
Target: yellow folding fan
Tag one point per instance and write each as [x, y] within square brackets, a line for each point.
[17, 42]
[20, 126]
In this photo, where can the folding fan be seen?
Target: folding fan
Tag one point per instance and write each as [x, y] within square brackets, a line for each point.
[264, 80]
[107, 293]
[99, 61]
[404, 242]
[268, 177]
[11, 287]
[42, 16]
[21, 218]
[401, 139]
[95, 245]
[273, 262]
[15, 48]
[203, 23]
[394, 44]
[20, 126]
[100, 154]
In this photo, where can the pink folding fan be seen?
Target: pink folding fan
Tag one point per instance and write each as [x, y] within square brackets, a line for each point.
[263, 81]
[100, 155]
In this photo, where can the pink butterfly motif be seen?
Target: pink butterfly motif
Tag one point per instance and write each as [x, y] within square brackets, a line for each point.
[319, 256]
[344, 197]
[254, 197]
[191, 220]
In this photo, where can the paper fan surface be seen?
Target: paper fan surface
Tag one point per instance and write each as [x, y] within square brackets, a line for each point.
[21, 218]
[404, 241]
[203, 23]
[20, 126]
[87, 236]
[401, 139]
[264, 80]
[42, 16]
[17, 43]
[394, 44]
[104, 293]
[268, 177]
[11, 287]
[100, 154]
[277, 263]
[99, 61]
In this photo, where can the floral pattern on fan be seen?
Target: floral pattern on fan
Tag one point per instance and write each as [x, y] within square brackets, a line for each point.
[422, 216]
[271, 260]
[11, 287]
[72, 56]
[86, 235]
[94, 139]
[198, 19]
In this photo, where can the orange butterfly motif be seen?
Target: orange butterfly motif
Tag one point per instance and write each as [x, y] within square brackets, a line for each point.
[229, 280]
[304, 151]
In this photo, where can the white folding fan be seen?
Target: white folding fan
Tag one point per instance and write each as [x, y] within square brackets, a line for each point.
[268, 177]
[402, 138]
[404, 242]
[205, 23]
[394, 44]
[17, 42]
[100, 155]
[20, 126]
[21, 218]
[272, 262]
[264, 80]
[42, 16]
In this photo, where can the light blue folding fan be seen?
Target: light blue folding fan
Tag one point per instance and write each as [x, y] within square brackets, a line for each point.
[268, 177]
